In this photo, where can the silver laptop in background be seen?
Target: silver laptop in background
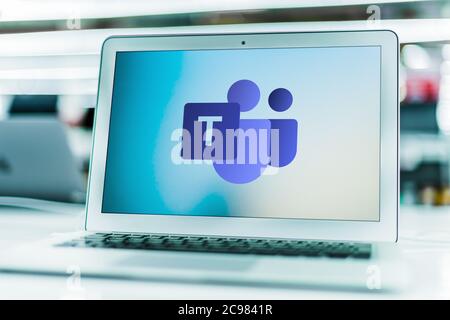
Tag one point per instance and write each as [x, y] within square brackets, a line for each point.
[37, 162]
[313, 212]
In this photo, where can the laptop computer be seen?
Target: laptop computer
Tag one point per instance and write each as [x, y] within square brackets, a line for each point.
[36, 161]
[243, 158]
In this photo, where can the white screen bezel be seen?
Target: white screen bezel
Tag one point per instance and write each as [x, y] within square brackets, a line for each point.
[383, 230]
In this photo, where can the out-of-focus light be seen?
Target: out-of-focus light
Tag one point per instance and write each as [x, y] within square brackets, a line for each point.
[403, 87]
[4, 105]
[72, 108]
[443, 117]
[443, 106]
[50, 73]
[415, 57]
[446, 52]
[445, 67]
[53, 86]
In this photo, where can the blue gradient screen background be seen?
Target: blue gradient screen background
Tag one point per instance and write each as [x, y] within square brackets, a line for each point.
[335, 174]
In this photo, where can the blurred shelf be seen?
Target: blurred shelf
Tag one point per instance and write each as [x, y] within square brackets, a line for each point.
[88, 42]
[21, 10]
[416, 148]
[42, 62]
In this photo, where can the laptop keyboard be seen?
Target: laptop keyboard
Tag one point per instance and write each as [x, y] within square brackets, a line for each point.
[223, 245]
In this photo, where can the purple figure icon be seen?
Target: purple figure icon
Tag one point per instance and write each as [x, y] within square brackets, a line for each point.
[251, 159]
[240, 149]
[280, 100]
[276, 139]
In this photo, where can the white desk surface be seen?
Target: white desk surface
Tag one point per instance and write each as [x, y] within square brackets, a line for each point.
[429, 260]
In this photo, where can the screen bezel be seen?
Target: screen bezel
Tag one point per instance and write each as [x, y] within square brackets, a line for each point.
[383, 230]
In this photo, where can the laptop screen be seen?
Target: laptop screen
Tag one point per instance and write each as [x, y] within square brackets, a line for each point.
[286, 133]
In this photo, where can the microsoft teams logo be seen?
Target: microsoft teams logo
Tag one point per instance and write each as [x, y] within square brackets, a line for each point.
[240, 150]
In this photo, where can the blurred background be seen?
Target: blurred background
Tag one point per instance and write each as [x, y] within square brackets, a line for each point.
[50, 54]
